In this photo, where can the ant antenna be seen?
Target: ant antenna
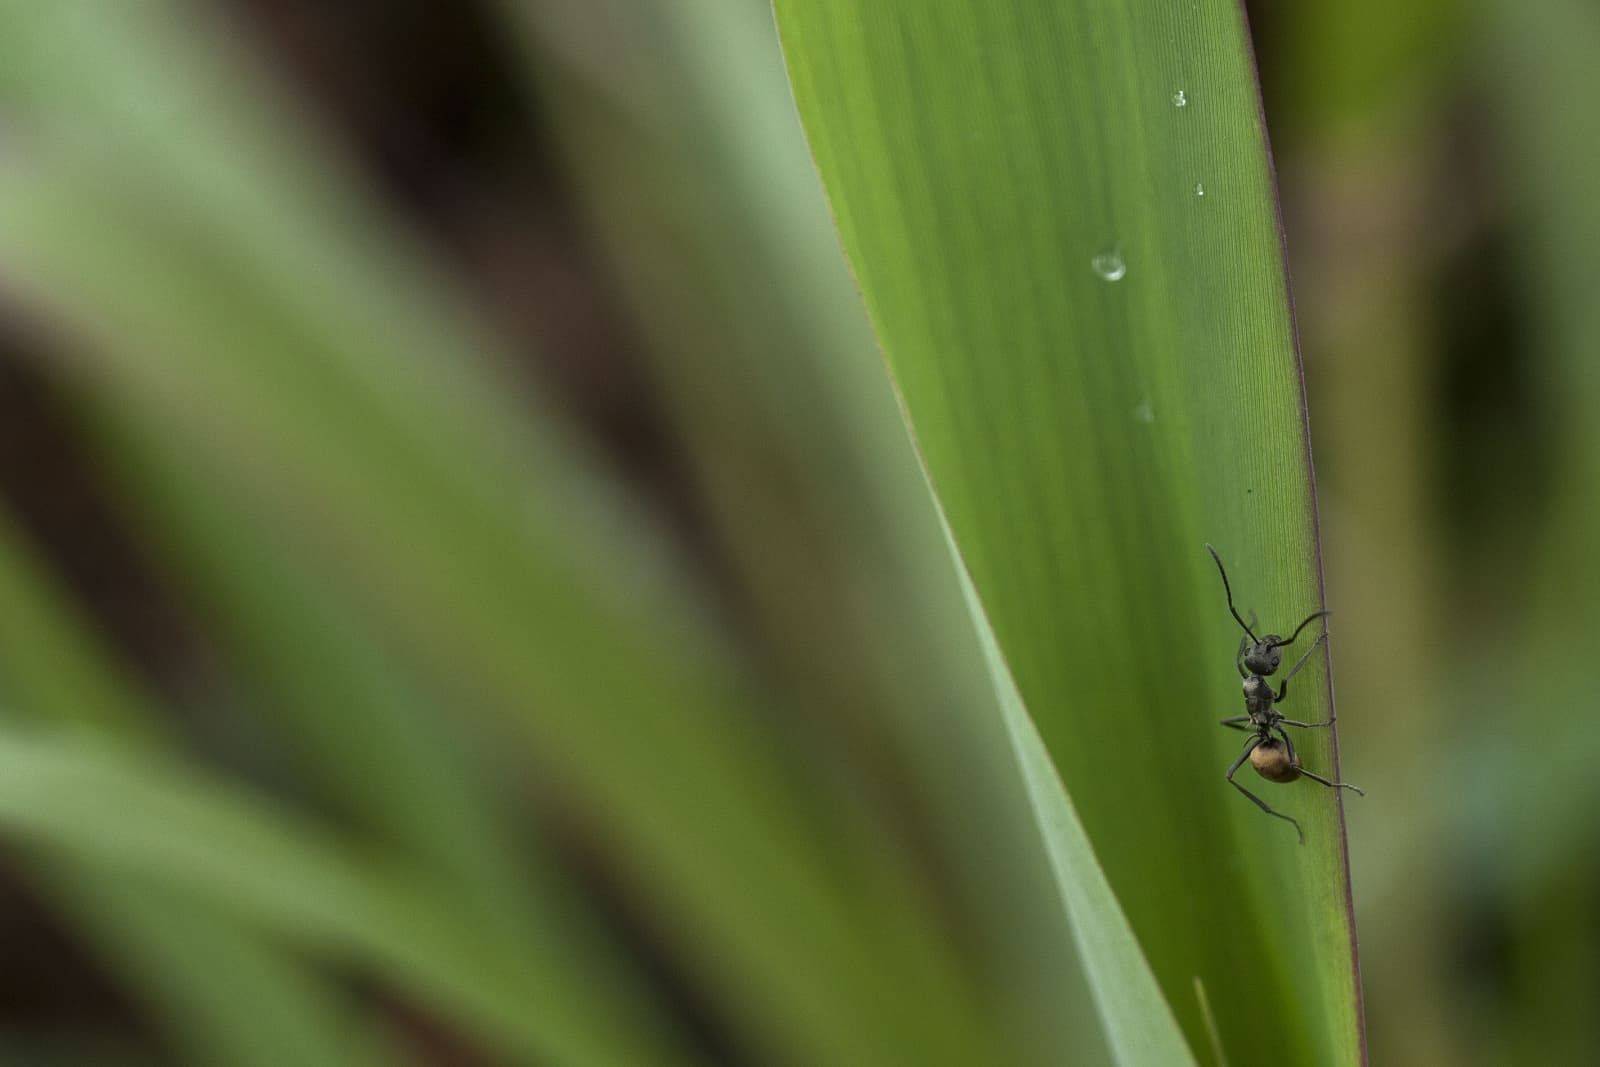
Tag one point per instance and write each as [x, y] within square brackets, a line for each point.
[1290, 640]
[1229, 592]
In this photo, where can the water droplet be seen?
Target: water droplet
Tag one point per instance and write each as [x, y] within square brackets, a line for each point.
[1180, 99]
[1199, 190]
[1144, 413]
[1109, 265]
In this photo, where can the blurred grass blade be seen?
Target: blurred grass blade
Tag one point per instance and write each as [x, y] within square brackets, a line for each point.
[220, 993]
[1064, 226]
[54, 672]
[274, 328]
[52, 669]
[66, 679]
[1137, 1020]
[155, 822]
[377, 743]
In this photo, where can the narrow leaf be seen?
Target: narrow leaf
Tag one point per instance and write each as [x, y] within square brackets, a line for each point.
[1063, 223]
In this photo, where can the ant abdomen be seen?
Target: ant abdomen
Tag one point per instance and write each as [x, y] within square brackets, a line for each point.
[1272, 761]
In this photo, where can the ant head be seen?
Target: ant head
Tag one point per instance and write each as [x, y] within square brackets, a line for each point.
[1265, 655]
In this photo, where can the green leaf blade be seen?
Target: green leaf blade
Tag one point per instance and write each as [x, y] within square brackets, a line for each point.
[1077, 279]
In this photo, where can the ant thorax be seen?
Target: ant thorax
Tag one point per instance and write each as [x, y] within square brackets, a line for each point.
[1258, 696]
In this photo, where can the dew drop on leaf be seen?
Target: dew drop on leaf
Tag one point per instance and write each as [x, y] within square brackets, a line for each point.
[1109, 265]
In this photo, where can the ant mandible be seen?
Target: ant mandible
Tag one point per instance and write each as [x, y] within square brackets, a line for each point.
[1273, 759]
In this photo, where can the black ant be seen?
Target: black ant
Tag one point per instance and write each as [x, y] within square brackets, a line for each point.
[1273, 759]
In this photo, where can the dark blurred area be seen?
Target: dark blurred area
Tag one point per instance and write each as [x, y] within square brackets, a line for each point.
[1443, 455]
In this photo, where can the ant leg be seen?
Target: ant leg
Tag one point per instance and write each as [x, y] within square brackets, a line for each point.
[1249, 747]
[1331, 785]
[1257, 801]
[1322, 637]
[1284, 688]
[1238, 722]
[1294, 760]
[1313, 775]
[1306, 725]
[1262, 804]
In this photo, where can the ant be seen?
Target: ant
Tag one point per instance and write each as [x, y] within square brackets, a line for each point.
[1273, 759]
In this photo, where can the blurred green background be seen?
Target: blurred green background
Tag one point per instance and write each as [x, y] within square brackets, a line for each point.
[1439, 166]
